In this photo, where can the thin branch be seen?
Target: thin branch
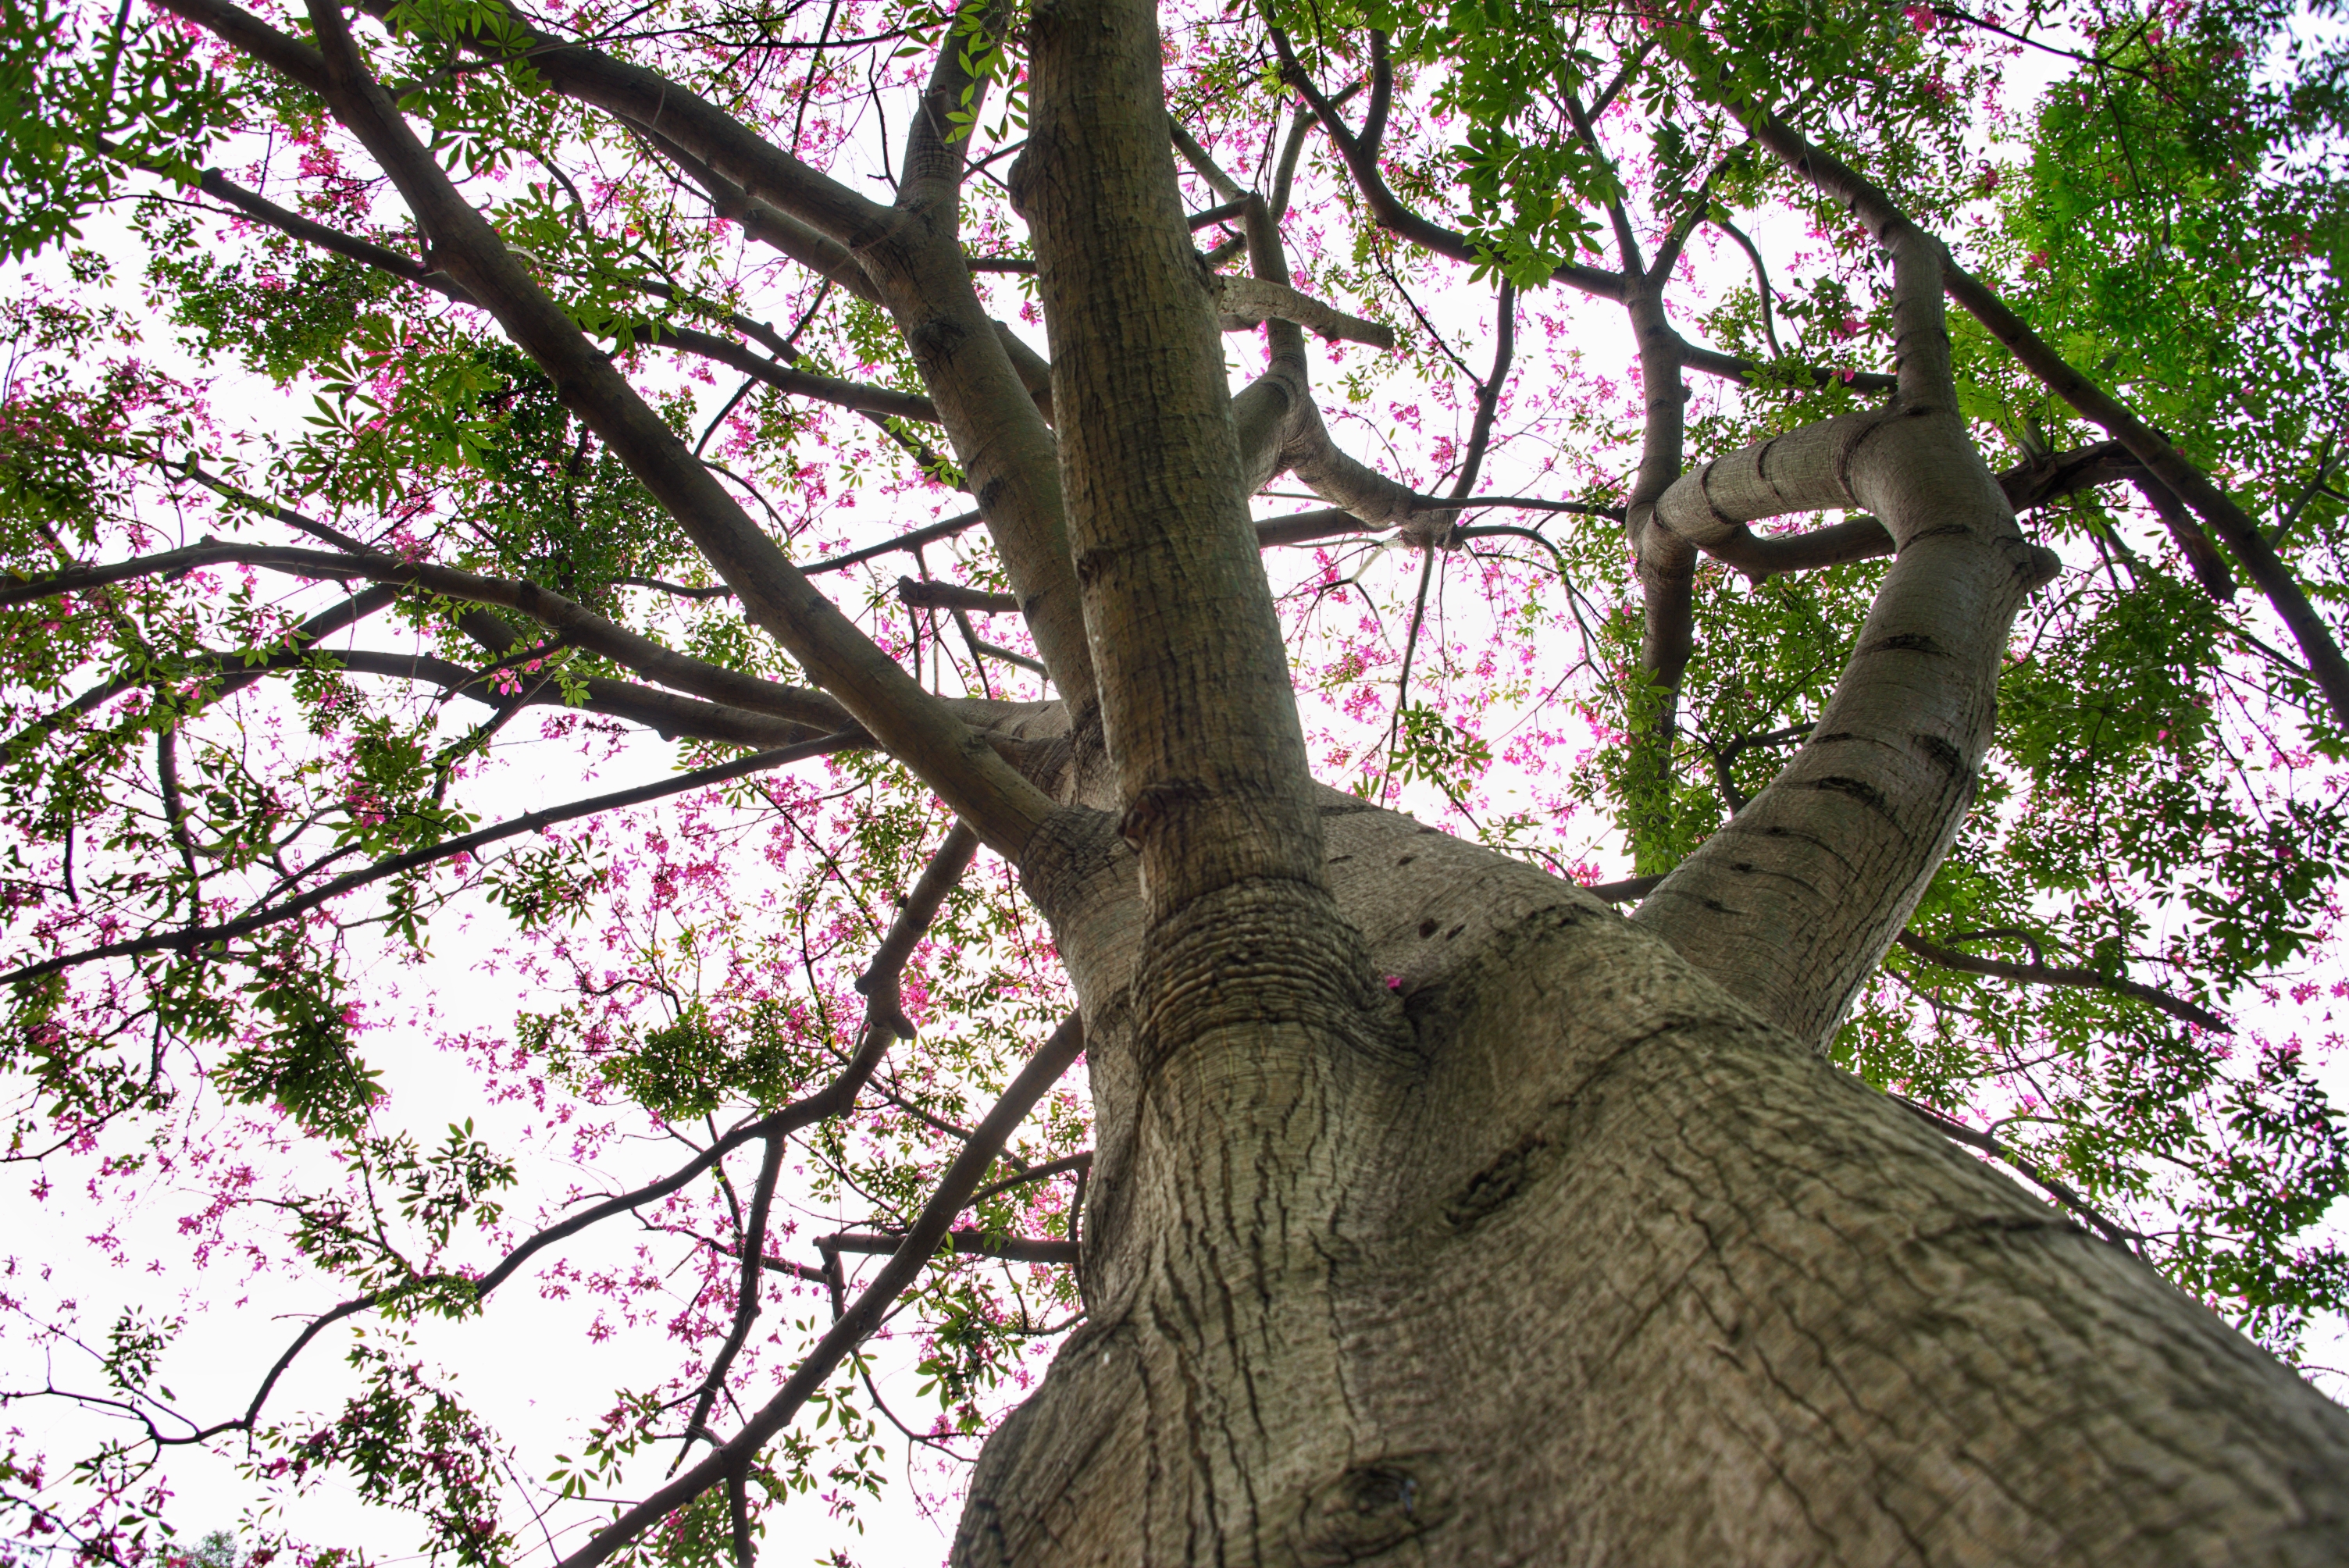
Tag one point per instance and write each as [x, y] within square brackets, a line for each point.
[836, 1098]
[1725, 755]
[1959, 1132]
[1761, 282]
[573, 622]
[2050, 974]
[914, 1253]
[746, 1290]
[933, 595]
[879, 983]
[968, 1242]
[1488, 391]
[195, 937]
[1080, 1163]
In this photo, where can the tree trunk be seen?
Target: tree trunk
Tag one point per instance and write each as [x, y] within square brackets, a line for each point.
[1617, 1271]
[1550, 1248]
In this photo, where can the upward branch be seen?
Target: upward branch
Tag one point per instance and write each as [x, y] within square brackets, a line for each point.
[914, 725]
[1196, 698]
[1794, 902]
[1874, 207]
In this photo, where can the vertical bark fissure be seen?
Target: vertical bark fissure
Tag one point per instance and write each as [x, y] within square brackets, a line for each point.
[1230, 1068]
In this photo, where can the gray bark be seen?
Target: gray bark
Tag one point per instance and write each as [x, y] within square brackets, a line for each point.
[1618, 1273]
[1565, 1244]
[1559, 1250]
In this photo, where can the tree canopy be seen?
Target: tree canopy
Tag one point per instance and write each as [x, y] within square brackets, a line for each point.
[532, 643]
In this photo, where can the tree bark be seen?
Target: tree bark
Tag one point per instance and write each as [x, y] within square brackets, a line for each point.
[1550, 1248]
[1437, 1213]
[1620, 1272]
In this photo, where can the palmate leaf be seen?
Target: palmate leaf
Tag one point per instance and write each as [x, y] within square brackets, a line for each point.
[84, 97]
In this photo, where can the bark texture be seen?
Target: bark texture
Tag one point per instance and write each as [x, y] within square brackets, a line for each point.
[1620, 1273]
[1552, 1248]
[1438, 1214]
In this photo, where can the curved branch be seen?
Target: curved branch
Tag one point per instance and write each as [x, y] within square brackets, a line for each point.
[578, 625]
[2317, 643]
[2051, 975]
[885, 1007]
[748, 1291]
[646, 98]
[1360, 156]
[916, 726]
[1761, 282]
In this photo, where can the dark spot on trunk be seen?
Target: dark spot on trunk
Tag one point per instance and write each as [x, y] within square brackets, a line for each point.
[1906, 642]
[1859, 790]
[1455, 931]
[1370, 1508]
[1152, 804]
[1406, 859]
[1491, 1189]
[1941, 751]
[1427, 928]
[934, 340]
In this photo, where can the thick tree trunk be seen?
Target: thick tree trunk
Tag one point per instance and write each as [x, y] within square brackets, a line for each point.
[1617, 1273]
[1550, 1249]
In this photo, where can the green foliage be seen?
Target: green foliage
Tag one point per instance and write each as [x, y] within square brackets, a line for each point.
[304, 1061]
[80, 102]
[406, 1443]
[686, 1069]
[2159, 808]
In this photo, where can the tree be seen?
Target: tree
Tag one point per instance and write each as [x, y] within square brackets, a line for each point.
[1420, 1206]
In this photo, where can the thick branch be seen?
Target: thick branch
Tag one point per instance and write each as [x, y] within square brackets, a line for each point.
[830, 389]
[931, 596]
[579, 626]
[912, 724]
[1792, 903]
[1249, 302]
[1175, 599]
[2267, 569]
